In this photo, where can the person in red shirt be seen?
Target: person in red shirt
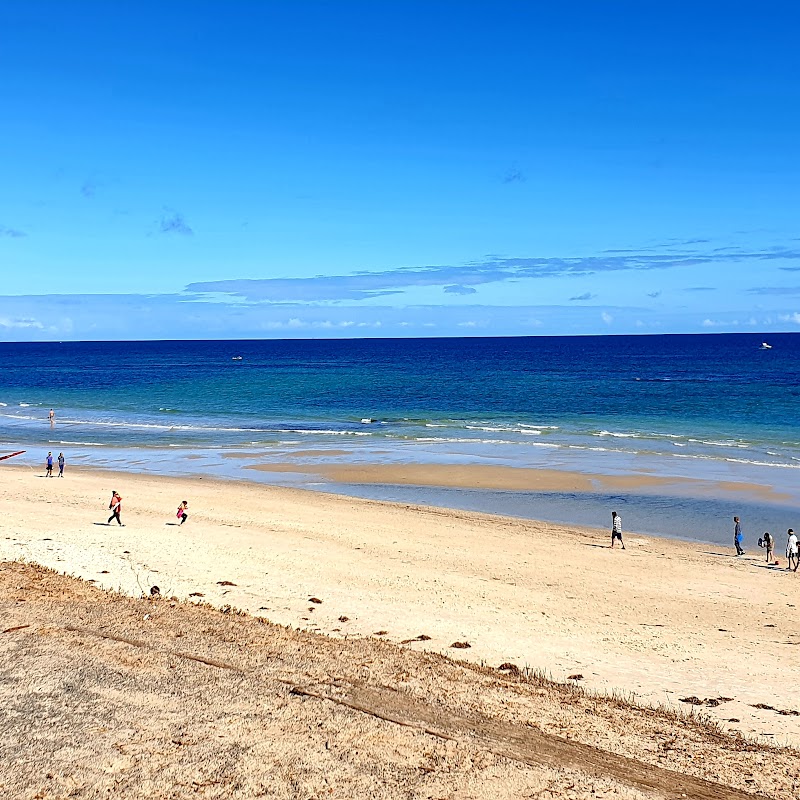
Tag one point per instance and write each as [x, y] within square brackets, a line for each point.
[116, 507]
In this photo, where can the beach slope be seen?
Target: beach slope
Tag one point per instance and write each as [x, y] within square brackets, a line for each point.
[106, 695]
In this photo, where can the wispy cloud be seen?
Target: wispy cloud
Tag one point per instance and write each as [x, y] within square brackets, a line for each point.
[778, 290]
[12, 233]
[514, 175]
[23, 322]
[584, 296]
[607, 318]
[173, 222]
[458, 289]
[494, 269]
[88, 189]
[700, 289]
[654, 294]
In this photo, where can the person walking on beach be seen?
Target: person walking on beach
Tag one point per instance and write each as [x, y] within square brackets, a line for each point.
[183, 512]
[768, 542]
[49, 465]
[61, 462]
[737, 536]
[792, 554]
[116, 507]
[616, 529]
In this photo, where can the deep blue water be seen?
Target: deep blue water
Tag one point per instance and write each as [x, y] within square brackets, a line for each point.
[712, 406]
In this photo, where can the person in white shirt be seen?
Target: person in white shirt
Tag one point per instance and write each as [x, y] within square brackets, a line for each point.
[792, 556]
[616, 529]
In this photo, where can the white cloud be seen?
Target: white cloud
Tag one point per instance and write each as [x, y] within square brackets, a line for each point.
[719, 323]
[468, 324]
[607, 318]
[20, 322]
[790, 317]
[639, 323]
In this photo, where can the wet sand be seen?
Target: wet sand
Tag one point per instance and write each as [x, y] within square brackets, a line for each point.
[475, 476]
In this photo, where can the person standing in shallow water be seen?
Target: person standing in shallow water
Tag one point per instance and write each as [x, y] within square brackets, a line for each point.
[616, 529]
[737, 536]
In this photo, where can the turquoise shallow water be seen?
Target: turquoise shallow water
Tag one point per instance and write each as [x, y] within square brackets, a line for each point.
[711, 406]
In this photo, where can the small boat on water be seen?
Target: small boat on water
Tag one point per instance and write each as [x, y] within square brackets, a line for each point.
[765, 346]
[236, 358]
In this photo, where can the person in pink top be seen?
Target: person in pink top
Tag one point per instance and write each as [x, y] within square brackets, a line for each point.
[116, 508]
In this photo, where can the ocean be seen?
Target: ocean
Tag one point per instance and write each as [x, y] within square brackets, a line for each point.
[715, 407]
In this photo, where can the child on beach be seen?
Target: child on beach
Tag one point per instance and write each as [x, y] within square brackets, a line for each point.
[616, 529]
[116, 507]
[49, 465]
[768, 542]
[183, 514]
[61, 462]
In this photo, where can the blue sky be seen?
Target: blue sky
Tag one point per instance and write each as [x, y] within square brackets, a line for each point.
[317, 169]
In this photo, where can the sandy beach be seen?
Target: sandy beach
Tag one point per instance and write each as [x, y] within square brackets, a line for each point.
[661, 621]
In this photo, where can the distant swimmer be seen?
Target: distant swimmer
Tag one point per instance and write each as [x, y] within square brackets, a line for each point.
[116, 508]
[616, 529]
[49, 465]
[737, 536]
[61, 462]
[183, 512]
[52, 417]
[792, 554]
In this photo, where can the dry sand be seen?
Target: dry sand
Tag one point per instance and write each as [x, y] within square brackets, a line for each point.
[663, 620]
[106, 696]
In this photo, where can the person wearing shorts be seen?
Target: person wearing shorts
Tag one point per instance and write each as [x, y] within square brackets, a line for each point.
[616, 529]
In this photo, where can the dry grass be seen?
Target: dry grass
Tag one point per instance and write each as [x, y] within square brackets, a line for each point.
[146, 673]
